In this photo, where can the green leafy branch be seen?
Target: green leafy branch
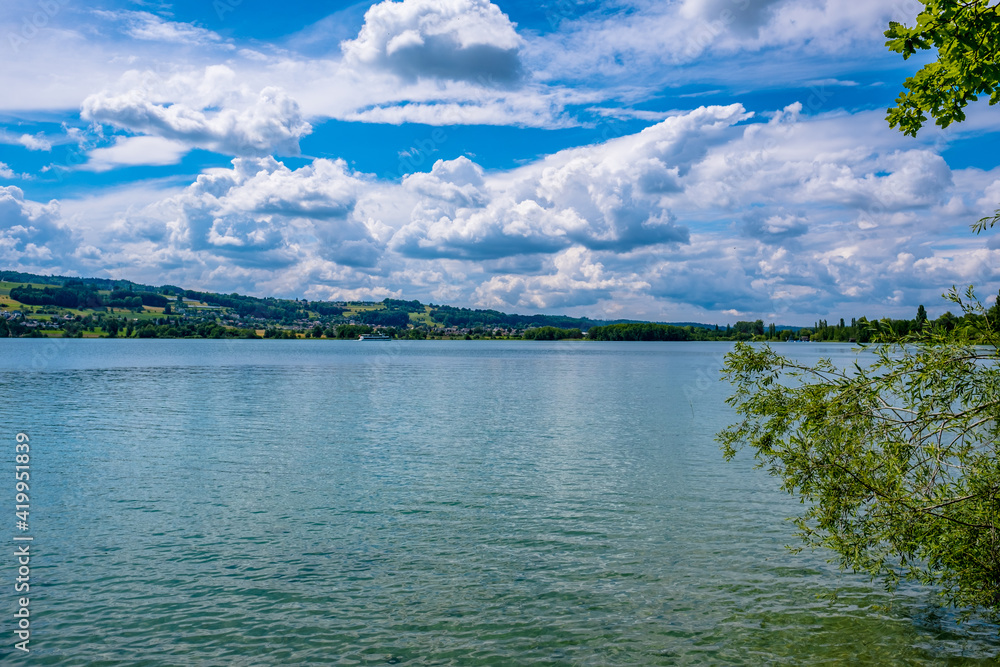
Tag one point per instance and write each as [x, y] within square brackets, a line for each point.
[966, 35]
[895, 457]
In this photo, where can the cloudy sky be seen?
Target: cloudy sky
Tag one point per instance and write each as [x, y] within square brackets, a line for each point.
[707, 160]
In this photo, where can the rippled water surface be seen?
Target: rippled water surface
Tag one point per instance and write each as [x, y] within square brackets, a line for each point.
[424, 503]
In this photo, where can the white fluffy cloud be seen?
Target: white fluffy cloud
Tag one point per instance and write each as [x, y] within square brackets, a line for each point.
[465, 40]
[207, 109]
[817, 162]
[133, 151]
[575, 278]
[262, 214]
[35, 142]
[32, 235]
[437, 63]
[612, 196]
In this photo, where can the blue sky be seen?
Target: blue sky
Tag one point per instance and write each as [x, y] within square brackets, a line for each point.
[706, 160]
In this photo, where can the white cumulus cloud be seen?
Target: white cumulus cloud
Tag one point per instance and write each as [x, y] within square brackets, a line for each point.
[469, 40]
[605, 197]
[33, 235]
[133, 151]
[206, 109]
[35, 142]
[261, 213]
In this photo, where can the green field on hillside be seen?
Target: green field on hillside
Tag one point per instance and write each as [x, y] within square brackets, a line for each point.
[351, 310]
[47, 313]
[424, 318]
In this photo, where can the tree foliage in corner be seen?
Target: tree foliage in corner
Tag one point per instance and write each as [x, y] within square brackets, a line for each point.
[966, 34]
[896, 459]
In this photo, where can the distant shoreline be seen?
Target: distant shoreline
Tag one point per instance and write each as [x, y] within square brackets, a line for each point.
[427, 340]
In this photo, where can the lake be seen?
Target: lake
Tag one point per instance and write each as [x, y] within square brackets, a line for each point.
[198, 502]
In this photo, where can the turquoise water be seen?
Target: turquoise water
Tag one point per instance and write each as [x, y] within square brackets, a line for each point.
[422, 503]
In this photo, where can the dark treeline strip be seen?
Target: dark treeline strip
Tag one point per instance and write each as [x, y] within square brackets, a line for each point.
[639, 331]
[466, 318]
[552, 333]
[75, 294]
[384, 318]
[404, 306]
[185, 330]
[279, 310]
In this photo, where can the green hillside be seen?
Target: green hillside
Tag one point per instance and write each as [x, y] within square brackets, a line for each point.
[62, 306]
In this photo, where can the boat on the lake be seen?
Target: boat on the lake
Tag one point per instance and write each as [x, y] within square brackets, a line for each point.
[374, 336]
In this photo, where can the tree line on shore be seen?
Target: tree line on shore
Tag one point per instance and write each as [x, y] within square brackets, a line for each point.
[242, 316]
[859, 330]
